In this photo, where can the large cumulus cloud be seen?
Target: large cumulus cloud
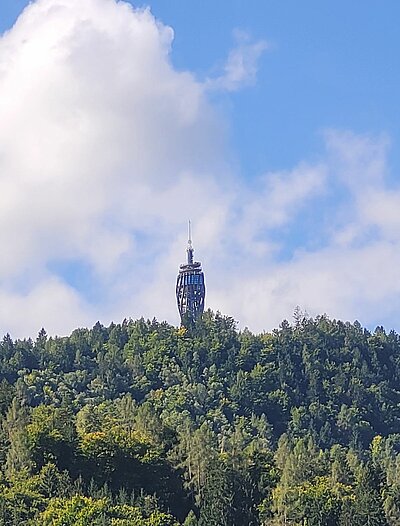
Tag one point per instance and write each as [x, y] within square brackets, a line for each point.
[101, 143]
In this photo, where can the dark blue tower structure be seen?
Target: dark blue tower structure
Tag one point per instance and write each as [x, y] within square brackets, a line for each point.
[190, 287]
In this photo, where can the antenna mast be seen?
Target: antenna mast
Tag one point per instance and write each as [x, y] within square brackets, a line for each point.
[190, 232]
[190, 249]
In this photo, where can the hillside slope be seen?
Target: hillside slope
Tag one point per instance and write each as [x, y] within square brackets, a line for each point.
[142, 423]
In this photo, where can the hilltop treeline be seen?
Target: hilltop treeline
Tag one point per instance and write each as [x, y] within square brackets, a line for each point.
[142, 423]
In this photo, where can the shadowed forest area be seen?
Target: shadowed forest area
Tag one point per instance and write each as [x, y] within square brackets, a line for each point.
[146, 424]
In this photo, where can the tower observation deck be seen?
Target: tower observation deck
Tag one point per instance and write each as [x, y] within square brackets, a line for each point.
[190, 287]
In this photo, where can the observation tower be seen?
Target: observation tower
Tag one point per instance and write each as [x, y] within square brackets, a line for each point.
[190, 287]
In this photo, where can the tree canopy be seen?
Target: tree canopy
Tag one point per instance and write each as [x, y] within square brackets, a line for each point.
[142, 423]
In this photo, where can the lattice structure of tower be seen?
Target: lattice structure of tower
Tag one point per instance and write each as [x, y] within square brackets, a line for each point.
[190, 287]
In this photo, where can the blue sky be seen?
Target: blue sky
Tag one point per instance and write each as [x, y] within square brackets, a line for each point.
[287, 160]
[330, 64]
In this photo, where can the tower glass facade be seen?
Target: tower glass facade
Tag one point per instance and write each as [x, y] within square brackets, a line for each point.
[190, 288]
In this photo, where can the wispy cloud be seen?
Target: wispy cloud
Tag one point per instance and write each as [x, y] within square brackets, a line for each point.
[353, 274]
[241, 66]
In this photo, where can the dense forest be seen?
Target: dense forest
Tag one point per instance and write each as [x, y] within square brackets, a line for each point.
[146, 424]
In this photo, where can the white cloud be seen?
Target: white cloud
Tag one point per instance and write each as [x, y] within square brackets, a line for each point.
[347, 284]
[275, 201]
[357, 159]
[355, 274]
[241, 66]
[51, 301]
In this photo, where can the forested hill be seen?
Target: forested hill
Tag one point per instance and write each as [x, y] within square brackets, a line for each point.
[143, 424]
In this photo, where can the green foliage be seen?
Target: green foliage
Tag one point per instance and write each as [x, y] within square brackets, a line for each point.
[86, 511]
[15, 434]
[191, 519]
[142, 423]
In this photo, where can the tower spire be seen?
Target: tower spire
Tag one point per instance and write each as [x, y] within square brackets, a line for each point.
[190, 248]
